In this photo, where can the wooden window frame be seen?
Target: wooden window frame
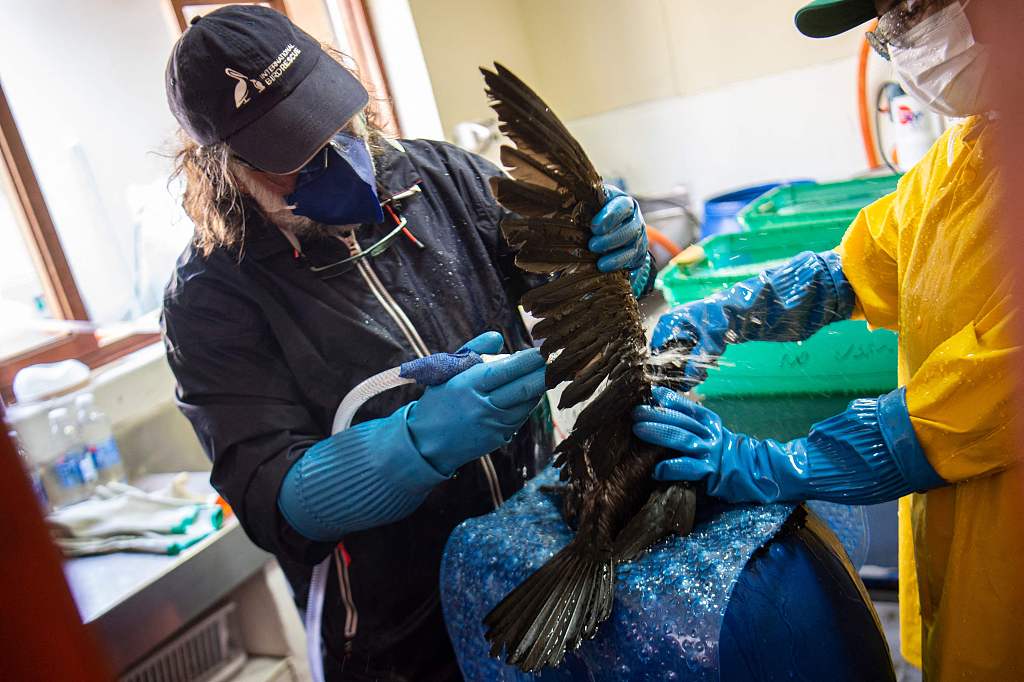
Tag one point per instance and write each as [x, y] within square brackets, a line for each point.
[52, 268]
[178, 7]
[366, 53]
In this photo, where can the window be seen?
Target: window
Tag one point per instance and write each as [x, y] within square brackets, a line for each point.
[89, 227]
[24, 304]
[42, 316]
[187, 10]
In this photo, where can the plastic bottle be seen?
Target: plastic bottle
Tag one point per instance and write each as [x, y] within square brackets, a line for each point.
[34, 474]
[99, 440]
[70, 475]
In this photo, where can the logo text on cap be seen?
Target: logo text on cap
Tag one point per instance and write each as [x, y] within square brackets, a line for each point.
[267, 77]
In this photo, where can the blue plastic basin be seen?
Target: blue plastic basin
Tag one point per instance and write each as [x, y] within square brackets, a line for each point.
[720, 211]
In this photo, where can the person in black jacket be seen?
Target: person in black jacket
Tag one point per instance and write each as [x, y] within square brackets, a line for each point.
[324, 254]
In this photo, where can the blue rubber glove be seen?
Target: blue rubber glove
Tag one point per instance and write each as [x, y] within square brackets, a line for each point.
[375, 473]
[363, 477]
[866, 455]
[478, 410]
[787, 303]
[620, 238]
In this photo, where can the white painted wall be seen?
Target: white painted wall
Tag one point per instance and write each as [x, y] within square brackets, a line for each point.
[798, 123]
[458, 36]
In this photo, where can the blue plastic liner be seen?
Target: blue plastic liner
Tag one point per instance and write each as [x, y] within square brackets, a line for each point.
[669, 604]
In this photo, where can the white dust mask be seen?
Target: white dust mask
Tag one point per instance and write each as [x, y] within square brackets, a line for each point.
[943, 66]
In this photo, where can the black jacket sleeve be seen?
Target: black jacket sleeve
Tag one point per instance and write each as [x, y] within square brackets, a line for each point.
[236, 389]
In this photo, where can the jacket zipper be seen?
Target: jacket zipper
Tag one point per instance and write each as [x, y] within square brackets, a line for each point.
[415, 341]
[351, 613]
[385, 299]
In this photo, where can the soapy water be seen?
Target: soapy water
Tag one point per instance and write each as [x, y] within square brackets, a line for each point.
[669, 604]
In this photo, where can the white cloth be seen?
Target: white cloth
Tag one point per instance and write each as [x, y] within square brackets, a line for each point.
[120, 517]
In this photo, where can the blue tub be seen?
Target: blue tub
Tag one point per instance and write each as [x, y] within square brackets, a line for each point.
[720, 211]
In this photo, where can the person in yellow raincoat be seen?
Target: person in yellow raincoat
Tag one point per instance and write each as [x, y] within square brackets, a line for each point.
[925, 261]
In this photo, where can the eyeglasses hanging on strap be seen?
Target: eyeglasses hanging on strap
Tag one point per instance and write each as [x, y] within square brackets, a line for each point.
[401, 227]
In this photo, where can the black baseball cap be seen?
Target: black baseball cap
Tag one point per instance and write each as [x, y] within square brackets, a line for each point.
[247, 76]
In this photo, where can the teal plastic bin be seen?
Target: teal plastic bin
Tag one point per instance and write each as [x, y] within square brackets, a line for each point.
[815, 204]
[777, 243]
[794, 218]
[777, 390]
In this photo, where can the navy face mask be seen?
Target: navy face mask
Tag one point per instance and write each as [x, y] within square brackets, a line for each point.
[337, 186]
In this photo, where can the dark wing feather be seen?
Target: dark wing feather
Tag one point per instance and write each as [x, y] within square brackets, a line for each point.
[530, 169]
[535, 129]
[527, 199]
[593, 338]
[518, 231]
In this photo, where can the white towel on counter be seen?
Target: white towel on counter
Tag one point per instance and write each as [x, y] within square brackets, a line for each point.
[119, 517]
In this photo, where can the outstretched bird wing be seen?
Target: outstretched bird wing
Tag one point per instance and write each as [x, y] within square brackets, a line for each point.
[591, 326]
[593, 339]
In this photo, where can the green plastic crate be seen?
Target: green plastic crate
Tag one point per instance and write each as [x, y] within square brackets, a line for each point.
[684, 284]
[782, 417]
[779, 390]
[759, 246]
[844, 358]
[814, 204]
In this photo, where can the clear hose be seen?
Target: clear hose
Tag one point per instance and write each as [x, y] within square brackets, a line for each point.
[355, 399]
[346, 411]
[365, 390]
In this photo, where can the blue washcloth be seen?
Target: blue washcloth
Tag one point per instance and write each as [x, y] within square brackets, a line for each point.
[438, 368]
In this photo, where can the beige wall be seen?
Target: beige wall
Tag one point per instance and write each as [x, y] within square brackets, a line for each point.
[597, 55]
[457, 37]
[723, 42]
[591, 56]
[312, 16]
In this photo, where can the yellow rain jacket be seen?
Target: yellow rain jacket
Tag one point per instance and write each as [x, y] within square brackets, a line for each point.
[927, 262]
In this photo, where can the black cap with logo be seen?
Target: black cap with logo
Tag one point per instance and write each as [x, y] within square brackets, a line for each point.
[247, 76]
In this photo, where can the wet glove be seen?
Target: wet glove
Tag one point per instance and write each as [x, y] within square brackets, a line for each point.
[478, 410]
[866, 455]
[787, 303]
[620, 238]
[380, 471]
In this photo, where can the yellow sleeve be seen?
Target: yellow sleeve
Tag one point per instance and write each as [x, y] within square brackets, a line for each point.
[962, 398]
[868, 255]
[870, 247]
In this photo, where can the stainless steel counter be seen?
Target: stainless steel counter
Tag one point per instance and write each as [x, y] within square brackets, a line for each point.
[133, 602]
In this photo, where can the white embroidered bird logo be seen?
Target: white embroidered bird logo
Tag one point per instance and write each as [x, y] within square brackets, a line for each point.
[242, 86]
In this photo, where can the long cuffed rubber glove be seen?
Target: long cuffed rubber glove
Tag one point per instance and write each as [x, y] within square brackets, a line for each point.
[380, 471]
[620, 238]
[866, 455]
[787, 303]
[476, 411]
